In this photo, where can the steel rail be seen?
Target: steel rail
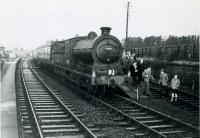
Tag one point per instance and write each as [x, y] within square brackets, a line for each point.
[30, 102]
[158, 134]
[148, 129]
[161, 114]
[83, 126]
[185, 102]
[155, 82]
[193, 106]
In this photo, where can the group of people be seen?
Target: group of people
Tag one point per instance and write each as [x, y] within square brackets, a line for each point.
[140, 74]
[126, 61]
[175, 83]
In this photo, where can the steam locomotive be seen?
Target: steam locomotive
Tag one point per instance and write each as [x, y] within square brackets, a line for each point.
[86, 60]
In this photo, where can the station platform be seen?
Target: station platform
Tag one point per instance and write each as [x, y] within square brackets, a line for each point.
[8, 122]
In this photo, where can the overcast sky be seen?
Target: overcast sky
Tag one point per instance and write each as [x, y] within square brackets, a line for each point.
[30, 23]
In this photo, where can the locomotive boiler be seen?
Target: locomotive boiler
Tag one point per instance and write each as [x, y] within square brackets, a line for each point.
[87, 60]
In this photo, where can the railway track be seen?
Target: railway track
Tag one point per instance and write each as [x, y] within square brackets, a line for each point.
[25, 119]
[152, 121]
[43, 114]
[185, 100]
[139, 119]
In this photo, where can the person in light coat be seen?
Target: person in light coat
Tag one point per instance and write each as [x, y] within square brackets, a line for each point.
[147, 76]
[175, 83]
[163, 83]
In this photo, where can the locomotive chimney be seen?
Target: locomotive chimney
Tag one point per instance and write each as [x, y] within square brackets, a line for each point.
[105, 30]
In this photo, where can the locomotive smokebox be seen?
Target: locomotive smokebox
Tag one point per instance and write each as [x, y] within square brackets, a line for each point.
[105, 30]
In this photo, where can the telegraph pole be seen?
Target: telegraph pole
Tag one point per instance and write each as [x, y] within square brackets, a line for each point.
[127, 20]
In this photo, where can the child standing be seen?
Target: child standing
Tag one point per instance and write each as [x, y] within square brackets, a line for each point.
[175, 83]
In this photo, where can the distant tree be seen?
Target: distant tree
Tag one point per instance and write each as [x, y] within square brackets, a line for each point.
[138, 42]
[185, 40]
[158, 41]
[173, 41]
[133, 42]
[150, 41]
